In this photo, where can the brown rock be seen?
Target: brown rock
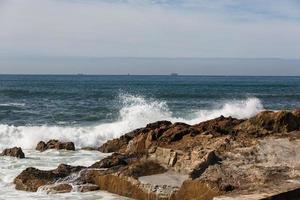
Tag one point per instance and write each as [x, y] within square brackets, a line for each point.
[271, 122]
[115, 159]
[55, 144]
[58, 188]
[41, 146]
[197, 190]
[219, 126]
[31, 179]
[143, 168]
[120, 144]
[13, 152]
[87, 188]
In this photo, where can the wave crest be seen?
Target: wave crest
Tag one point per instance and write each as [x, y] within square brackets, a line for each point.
[136, 112]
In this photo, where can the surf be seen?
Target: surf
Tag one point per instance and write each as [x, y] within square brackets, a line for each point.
[136, 111]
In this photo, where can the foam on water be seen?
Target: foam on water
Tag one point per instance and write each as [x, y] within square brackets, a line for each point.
[11, 167]
[136, 112]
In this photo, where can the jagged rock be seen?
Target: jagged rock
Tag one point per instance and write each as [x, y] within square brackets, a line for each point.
[55, 144]
[111, 161]
[120, 144]
[217, 157]
[31, 178]
[219, 126]
[271, 122]
[13, 152]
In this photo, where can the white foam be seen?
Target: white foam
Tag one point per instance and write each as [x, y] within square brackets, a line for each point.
[13, 104]
[136, 112]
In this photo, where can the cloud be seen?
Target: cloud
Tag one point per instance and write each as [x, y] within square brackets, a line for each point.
[144, 28]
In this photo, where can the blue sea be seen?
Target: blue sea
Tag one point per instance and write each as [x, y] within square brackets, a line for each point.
[97, 108]
[89, 110]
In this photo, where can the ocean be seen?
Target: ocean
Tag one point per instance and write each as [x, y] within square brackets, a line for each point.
[89, 110]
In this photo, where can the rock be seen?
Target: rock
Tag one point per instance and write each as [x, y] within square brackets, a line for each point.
[89, 148]
[222, 156]
[111, 161]
[55, 144]
[271, 122]
[13, 152]
[120, 144]
[143, 168]
[66, 188]
[41, 146]
[210, 159]
[58, 188]
[87, 188]
[196, 190]
[219, 126]
[31, 178]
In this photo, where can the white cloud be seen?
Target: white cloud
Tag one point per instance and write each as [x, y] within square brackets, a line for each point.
[192, 28]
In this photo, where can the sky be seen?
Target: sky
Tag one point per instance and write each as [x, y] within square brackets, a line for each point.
[70, 36]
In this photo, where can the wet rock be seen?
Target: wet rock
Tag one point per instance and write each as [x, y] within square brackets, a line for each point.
[58, 188]
[31, 178]
[13, 152]
[87, 188]
[89, 148]
[115, 159]
[55, 144]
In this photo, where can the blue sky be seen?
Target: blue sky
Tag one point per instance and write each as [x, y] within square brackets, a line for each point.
[149, 28]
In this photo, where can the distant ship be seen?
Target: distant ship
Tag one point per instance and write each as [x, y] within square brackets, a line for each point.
[173, 74]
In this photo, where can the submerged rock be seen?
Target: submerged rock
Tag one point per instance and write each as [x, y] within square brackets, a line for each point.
[55, 144]
[13, 152]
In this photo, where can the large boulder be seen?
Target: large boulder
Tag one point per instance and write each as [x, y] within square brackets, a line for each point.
[55, 144]
[31, 178]
[13, 152]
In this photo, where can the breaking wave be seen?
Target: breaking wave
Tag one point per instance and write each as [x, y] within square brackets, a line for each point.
[136, 112]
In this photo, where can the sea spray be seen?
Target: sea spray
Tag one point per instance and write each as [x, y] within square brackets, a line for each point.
[136, 112]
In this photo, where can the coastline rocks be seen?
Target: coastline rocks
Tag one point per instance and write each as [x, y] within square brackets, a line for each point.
[31, 178]
[55, 144]
[165, 161]
[13, 152]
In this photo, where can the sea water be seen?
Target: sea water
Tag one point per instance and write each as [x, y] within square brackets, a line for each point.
[89, 110]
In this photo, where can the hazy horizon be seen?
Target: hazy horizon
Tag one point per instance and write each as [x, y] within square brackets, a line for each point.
[152, 66]
[222, 37]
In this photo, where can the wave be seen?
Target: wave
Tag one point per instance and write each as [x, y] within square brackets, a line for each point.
[136, 112]
[12, 104]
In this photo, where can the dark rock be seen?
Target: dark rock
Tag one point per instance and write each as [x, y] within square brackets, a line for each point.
[55, 144]
[41, 146]
[31, 178]
[13, 152]
[111, 161]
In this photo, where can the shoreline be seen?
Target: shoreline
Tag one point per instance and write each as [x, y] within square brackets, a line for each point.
[221, 158]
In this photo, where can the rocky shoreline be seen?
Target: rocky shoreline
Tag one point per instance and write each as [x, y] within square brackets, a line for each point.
[223, 158]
